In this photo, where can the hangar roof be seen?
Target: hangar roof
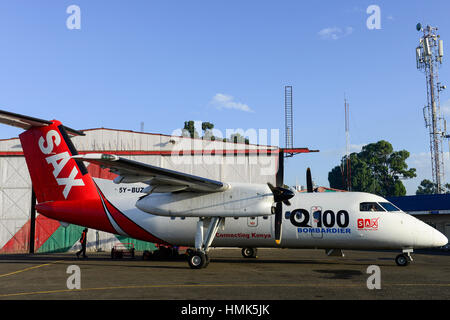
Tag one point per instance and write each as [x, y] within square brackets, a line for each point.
[425, 204]
[131, 142]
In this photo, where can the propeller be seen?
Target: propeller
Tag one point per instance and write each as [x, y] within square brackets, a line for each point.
[280, 196]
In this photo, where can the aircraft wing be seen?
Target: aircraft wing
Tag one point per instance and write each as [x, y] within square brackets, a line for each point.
[160, 179]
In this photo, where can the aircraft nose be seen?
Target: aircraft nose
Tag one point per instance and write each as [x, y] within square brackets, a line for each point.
[428, 237]
[439, 239]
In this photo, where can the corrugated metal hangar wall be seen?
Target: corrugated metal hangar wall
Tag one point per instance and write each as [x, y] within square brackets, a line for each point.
[225, 161]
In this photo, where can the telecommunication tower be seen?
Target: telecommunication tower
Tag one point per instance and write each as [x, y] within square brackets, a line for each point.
[288, 118]
[429, 56]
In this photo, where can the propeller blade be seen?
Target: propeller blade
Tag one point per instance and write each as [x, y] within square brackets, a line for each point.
[278, 220]
[279, 177]
[309, 184]
[272, 188]
[280, 196]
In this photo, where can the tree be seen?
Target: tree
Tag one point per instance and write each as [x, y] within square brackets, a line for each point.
[189, 130]
[207, 133]
[428, 187]
[238, 138]
[376, 169]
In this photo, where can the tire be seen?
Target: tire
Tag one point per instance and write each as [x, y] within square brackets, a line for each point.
[402, 260]
[197, 260]
[249, 252]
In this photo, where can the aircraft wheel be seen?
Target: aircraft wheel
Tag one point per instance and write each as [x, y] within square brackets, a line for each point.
[402, 260]
[249, 252]
[197, 260]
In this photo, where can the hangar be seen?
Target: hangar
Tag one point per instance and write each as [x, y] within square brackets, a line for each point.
[22, 230]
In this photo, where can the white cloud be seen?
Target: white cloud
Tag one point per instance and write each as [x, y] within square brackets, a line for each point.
[335, 33]
[225, 101]
[420, 160]
[340, 152]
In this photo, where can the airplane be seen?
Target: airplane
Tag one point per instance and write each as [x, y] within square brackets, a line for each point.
[173, 208]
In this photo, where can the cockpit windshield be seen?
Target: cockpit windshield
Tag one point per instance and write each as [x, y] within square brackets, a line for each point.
[370, 206]
[389, 206]
[375, 206]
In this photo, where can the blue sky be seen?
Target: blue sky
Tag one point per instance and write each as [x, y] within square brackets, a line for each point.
[227, 62]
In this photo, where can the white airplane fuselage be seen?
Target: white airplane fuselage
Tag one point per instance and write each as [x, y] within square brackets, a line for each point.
[330, 220]
[175, 208]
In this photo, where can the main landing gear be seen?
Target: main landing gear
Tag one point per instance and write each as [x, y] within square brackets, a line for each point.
[404, 258]
[198, 258]
[249, 252]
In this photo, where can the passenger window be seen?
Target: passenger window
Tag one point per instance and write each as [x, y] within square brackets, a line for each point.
[370, 206]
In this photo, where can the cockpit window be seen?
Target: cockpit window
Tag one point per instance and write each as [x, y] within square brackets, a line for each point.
[389, 206]
[370, 206]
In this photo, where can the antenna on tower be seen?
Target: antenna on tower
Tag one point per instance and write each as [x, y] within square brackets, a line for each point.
[429, 56]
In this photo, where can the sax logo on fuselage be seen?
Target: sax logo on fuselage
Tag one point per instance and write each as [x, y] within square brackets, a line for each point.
[59, 161]
[368, 224]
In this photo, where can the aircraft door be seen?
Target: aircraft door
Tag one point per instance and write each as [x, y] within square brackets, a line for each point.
[316, 222]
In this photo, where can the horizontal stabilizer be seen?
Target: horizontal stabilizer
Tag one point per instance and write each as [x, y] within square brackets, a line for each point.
[27, 122]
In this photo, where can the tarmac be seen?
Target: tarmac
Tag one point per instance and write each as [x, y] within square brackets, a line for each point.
[276, 274]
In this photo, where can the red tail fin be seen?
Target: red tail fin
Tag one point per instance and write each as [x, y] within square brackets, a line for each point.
[54, 174]
[63, 187]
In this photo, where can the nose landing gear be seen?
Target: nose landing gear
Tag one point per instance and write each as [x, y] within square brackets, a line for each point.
[404, 258]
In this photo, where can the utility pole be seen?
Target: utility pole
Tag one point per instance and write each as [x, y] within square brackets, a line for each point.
[347, 145]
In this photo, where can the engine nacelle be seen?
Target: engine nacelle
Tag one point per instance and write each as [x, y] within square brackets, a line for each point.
[240, 200]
